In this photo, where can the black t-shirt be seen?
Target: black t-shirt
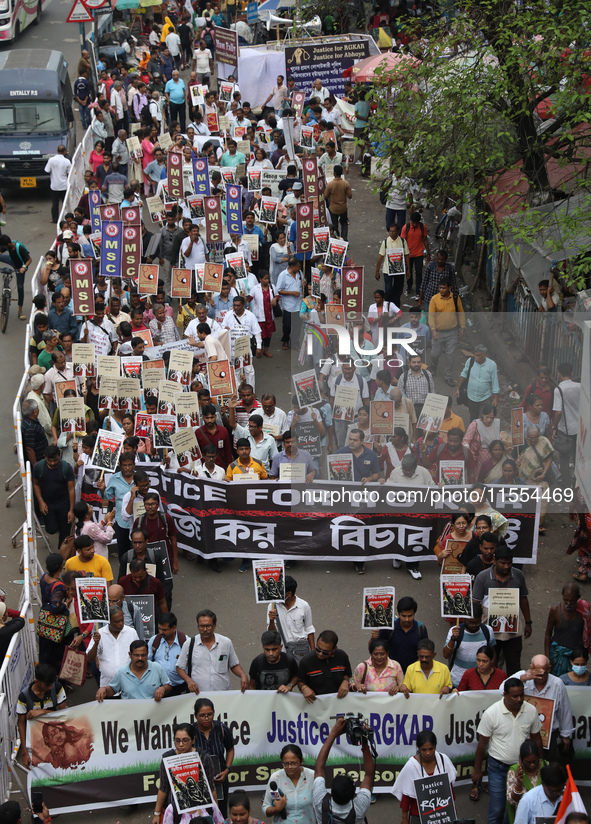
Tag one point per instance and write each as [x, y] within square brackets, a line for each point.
[471, 551]
[54, 483]
[184, 32]
[476, 566]
[326, 675]
[272, 676]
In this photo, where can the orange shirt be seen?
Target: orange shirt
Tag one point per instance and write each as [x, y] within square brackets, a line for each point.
[414, 238]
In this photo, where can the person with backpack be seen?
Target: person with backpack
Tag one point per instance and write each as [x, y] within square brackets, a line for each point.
[43, 696]
[403, 640]
[340, 804]
[20, 258]
[159, 526]
[152, 555]
[463, 643]
[165, 648]
[348, 379]
[417, 240]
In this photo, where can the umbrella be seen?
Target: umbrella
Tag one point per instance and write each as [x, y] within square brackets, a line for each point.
[365, 70]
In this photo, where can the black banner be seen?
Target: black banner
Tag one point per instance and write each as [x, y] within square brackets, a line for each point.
[324, 61]
[321, 521]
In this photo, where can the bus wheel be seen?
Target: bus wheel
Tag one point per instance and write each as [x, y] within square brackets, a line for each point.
[37, 19]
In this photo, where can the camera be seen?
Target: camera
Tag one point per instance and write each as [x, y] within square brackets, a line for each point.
[358, 730]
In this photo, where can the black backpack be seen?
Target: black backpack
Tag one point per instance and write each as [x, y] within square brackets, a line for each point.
[328, 817]
[452, 659]
[145, 116]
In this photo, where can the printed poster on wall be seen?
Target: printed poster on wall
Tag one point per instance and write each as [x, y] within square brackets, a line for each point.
[378, 608]
[269, 580]
[456, 596]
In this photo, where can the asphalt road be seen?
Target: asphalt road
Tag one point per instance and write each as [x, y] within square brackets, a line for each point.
[333, 589]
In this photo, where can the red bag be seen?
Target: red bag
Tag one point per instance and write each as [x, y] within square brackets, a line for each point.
[73, 667]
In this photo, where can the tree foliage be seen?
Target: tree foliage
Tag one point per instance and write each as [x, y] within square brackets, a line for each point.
[459, 122]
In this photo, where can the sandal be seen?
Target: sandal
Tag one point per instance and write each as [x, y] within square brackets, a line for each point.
[581, 577]
[542, 530]
[285, 345]
[474, 794]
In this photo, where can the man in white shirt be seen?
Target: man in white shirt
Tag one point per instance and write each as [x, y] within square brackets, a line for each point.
[503, 728]
[262, 446]
[117, 104]
[273, 416]
[409, 473]
[173, 43]
[100, 331]
[349, 379]
[207, 467]
[241, 322]
[111, 645]
[319, 91]
[58, 167]
[292, 619]
[214, 351]
[565, 420]
[193, 249]
[202, 64]
[331, 114]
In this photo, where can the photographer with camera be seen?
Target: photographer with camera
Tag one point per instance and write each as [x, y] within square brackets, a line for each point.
[340, 805]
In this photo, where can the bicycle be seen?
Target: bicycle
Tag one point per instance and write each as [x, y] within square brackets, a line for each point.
[6, 297]
[448, 224]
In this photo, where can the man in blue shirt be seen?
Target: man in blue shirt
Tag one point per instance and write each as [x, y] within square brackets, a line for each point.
[165, 648]
[176, 95]
[115, 490]
[60, 317]
[138, 679]
[289, 286]
[482, 382]
[543, 800]
[366, 467]
[291, 454]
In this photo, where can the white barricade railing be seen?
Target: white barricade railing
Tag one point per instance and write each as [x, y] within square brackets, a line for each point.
[17, 668]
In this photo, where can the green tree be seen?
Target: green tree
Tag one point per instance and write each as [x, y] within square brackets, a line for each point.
[467, 112]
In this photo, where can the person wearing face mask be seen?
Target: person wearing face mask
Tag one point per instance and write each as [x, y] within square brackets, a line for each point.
[578, 674]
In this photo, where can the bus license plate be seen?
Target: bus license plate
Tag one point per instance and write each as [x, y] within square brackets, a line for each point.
[28, 182]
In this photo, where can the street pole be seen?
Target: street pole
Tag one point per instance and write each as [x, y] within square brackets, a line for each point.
[82, 36]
